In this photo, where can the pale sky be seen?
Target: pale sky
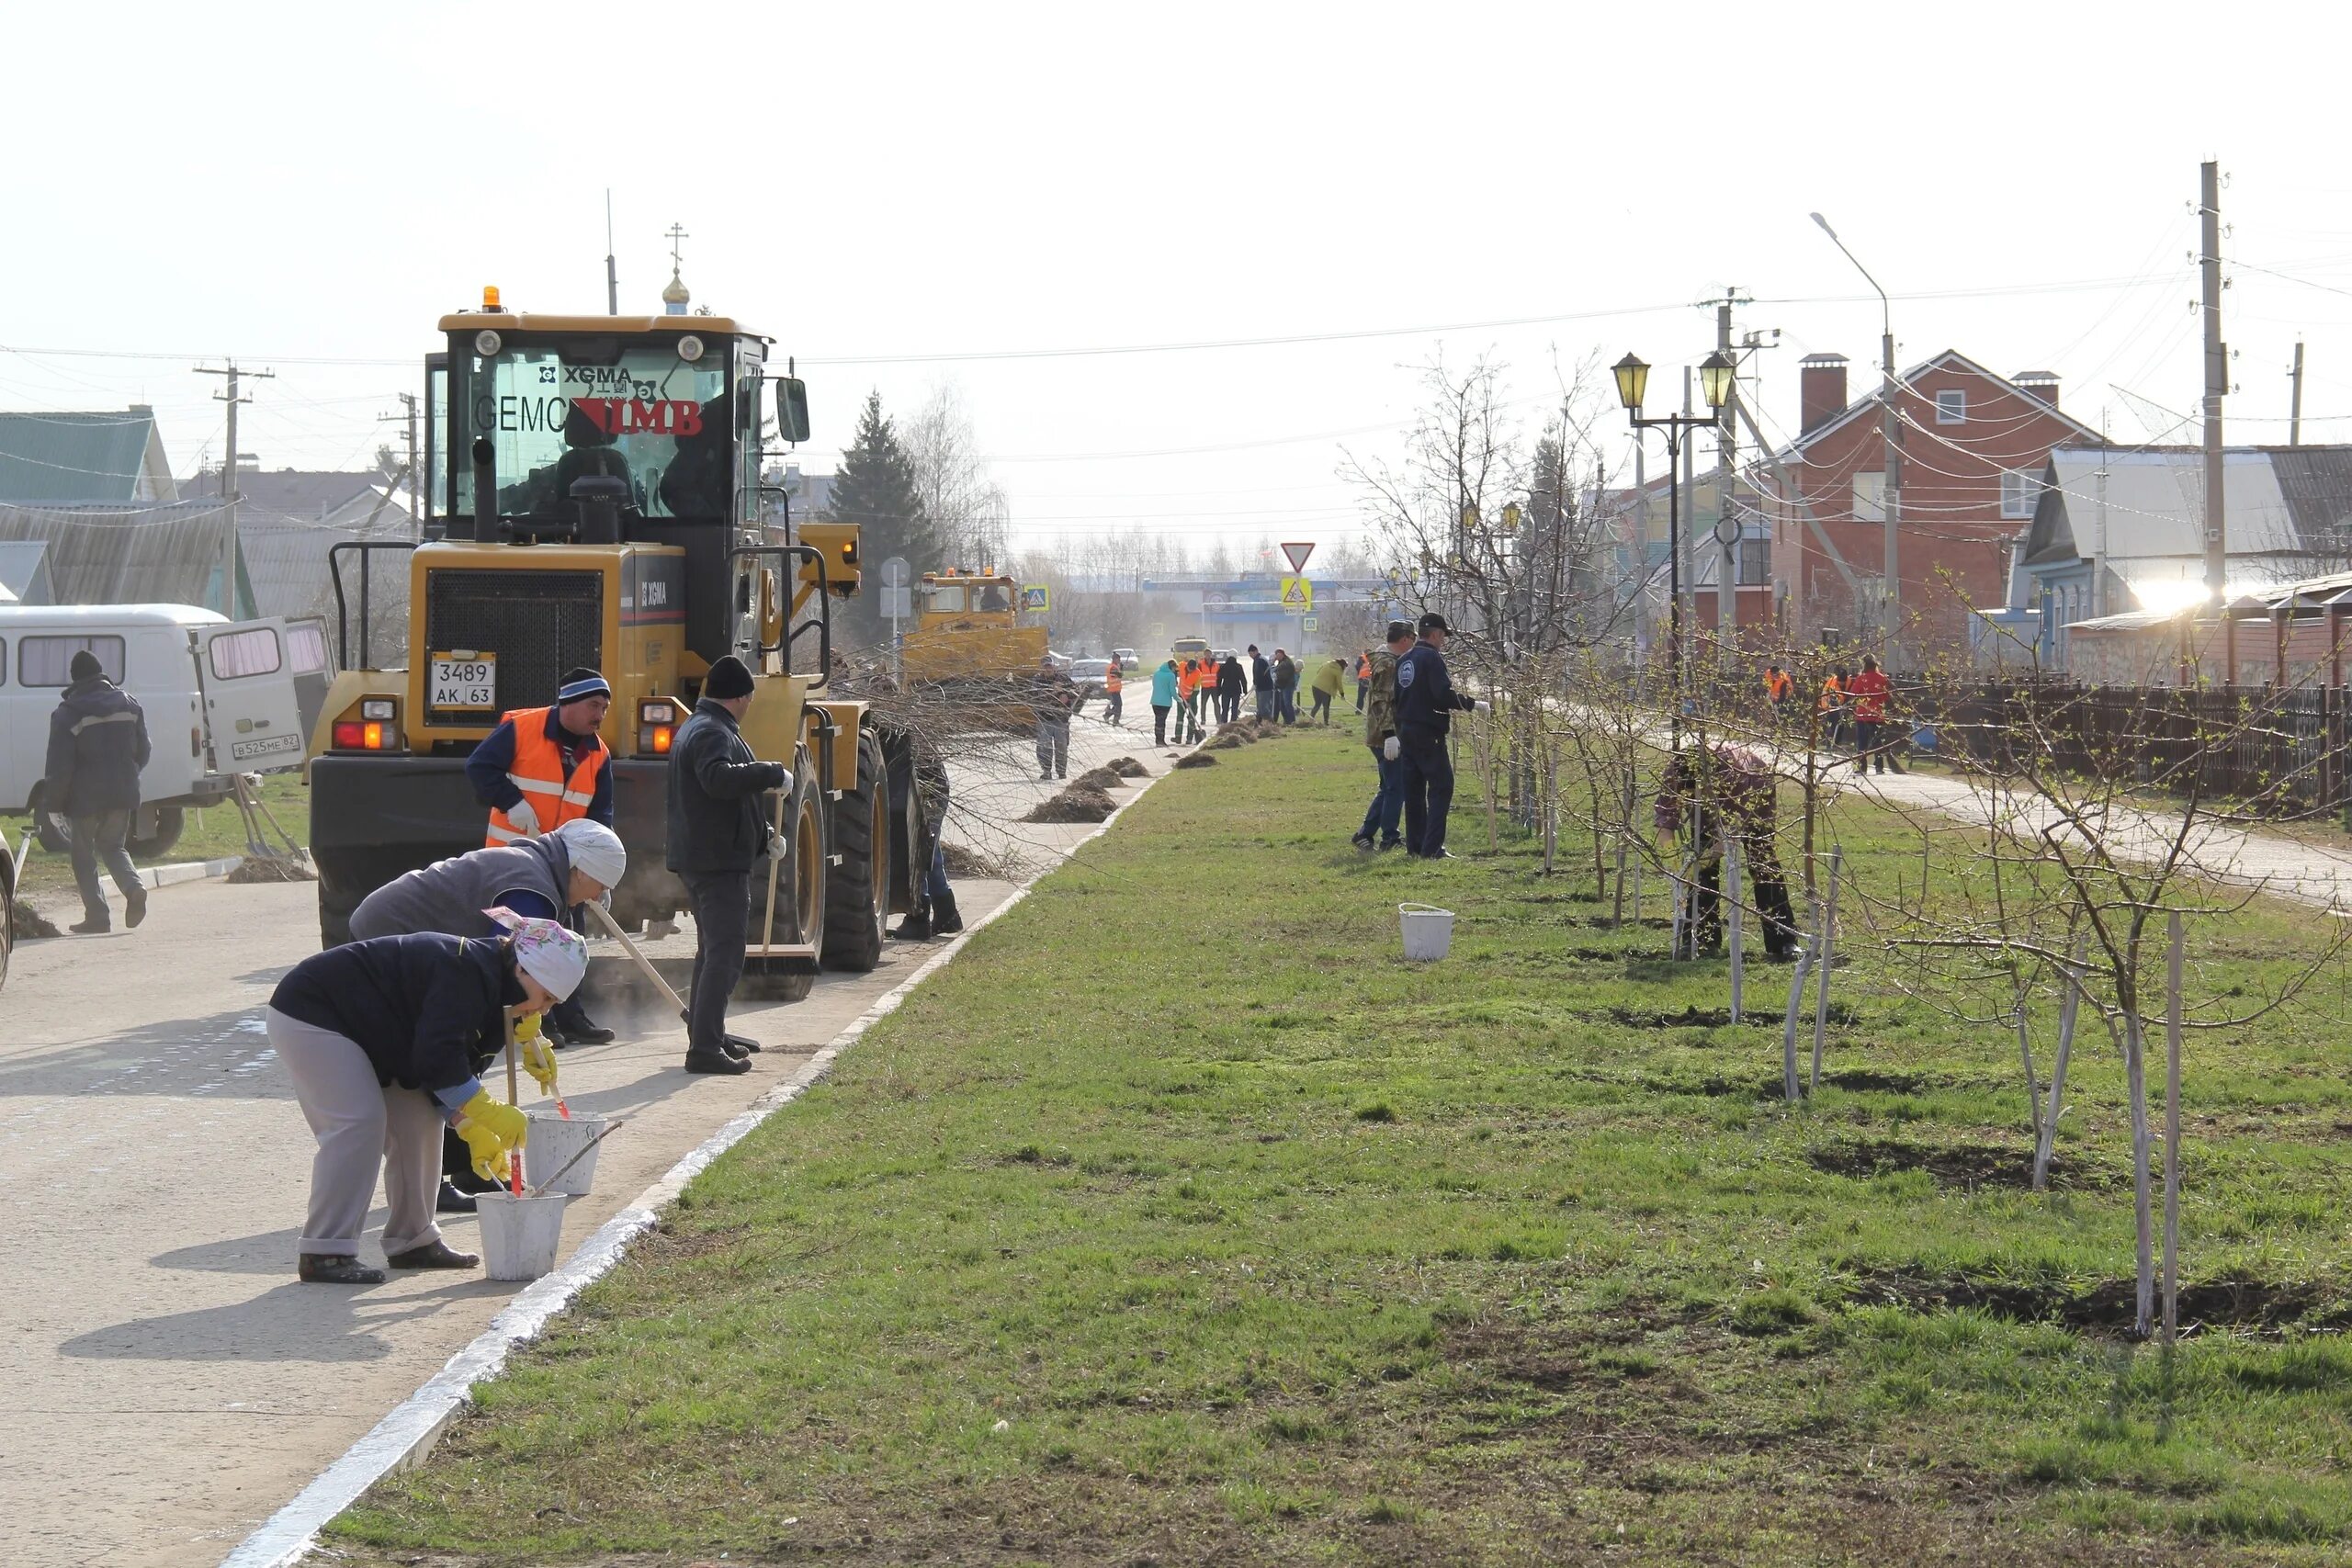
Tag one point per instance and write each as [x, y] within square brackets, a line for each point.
[903, 195]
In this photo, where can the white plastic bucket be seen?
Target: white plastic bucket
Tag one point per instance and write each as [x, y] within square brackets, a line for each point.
[553, 1142]
[520, 1236]
[1429, 932]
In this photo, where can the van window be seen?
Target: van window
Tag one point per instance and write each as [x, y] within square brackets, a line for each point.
[3, 660]
[254, 651]
[306, 645]
[48, 661]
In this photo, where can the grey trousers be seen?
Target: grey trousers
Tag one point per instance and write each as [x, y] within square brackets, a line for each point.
[362, 1127]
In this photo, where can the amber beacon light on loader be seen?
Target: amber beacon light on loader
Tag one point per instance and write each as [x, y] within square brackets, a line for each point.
[605, 508]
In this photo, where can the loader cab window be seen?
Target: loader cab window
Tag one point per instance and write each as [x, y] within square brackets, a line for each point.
[945, 598]
[560, 410]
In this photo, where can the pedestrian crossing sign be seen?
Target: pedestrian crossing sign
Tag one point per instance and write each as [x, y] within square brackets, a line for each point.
[1298, 595]
[1035, 596]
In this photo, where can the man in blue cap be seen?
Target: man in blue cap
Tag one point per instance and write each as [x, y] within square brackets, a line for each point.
[1426, 703]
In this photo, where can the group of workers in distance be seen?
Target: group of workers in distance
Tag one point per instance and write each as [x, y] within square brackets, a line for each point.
[386, 1037]
[1860, 699]
[1204, 691]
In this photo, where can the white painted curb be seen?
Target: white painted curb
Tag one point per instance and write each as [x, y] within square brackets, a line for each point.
[403, 1437]
[189, 871]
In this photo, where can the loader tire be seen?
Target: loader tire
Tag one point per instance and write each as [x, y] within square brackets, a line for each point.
[800, 892]
[857, 892]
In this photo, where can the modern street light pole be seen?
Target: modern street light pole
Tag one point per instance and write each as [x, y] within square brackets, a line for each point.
[1715, 376]
[1891, 594]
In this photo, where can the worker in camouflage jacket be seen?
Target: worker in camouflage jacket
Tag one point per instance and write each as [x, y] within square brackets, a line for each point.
[1724, 794]
[1387, 810]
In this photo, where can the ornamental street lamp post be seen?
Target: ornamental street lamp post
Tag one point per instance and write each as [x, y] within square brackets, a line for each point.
[1715, 373]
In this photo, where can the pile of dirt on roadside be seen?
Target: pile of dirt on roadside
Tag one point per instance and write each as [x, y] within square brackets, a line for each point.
[963, 860]
[254, 868]
[1128, 768]
[1268, 729]
[1244, 727]
[1099, 778]
[1222, 743]
[1073, 805]
[29, 924]
[1196, 760]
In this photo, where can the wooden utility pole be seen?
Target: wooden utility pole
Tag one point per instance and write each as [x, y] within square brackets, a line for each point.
[2295, 408]
[1728, 528]
[2217, 381]
[229, 478]
[415, 470]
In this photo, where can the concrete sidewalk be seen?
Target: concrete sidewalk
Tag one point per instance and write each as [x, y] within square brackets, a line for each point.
[165, 1381]
[2248, 857]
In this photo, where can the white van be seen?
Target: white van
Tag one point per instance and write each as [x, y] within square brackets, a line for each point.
[227, 686]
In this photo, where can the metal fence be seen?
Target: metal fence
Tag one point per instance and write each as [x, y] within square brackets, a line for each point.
[2259, 750]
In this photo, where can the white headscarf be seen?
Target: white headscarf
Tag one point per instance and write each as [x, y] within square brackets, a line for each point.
[545, 950]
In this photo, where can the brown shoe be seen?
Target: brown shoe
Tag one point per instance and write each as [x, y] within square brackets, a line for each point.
[432, 1254]
[336, 1268]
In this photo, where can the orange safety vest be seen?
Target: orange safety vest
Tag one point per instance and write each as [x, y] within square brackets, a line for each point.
[1363, 667]
[1111, 679]
[539, 773]
[1776, 686]
[1830, 694]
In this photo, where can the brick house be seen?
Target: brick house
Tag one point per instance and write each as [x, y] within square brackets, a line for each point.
[1975, 446]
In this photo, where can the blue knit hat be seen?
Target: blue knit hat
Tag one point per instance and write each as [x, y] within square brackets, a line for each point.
[579, 684]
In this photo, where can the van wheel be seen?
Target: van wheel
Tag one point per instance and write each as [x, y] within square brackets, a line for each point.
[170, 822]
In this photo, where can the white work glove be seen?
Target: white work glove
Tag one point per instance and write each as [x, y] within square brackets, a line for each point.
[1392, 748]
[1482, 706]
[526, 820]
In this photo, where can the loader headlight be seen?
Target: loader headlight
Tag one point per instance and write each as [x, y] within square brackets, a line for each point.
[375, 707]
[690, 348]
[487, 343]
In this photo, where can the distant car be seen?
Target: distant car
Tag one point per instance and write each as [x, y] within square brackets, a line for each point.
[1128, 658]
[1087, 675]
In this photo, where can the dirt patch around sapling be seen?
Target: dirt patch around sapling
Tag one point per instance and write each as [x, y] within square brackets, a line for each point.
[1073, 805]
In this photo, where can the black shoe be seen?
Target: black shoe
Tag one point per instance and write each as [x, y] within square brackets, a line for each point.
[433, 1255]
[1062, 773]
[916, 927]
[945, 921]
[1440, 854]
[335, 1269]
[90, 928]
[451, 1200]
[1392, 844]
[1362, 842]
[587, 1034]
[1045, 776]
[740, 1046]
[716, 1062]
[134, 909]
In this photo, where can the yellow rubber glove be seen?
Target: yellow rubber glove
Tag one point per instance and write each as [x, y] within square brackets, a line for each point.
[491, 1133]
[539, 1060]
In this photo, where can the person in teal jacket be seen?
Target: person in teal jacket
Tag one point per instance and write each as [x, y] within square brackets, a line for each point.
[1163, 697]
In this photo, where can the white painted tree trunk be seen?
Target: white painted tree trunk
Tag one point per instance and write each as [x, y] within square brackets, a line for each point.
[1789, 1026]
[1824, 943]
[2046, 1141]
[2172, 1131]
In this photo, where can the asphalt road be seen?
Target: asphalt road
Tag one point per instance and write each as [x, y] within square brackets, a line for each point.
[165, 1383]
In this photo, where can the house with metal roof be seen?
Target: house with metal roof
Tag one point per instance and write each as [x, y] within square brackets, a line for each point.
[24, 573]
[176, 552]
[115, 456]
[287, 521]
[2119, 531]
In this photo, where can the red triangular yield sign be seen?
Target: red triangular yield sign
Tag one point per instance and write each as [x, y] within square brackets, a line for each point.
[1298, 554]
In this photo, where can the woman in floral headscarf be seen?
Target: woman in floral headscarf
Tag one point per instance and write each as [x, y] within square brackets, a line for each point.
[380, 1039]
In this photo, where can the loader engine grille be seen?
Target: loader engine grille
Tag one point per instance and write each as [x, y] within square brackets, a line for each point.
[539, 623]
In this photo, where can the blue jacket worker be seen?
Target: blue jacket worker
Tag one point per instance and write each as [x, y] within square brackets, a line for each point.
[539, 769]
[97, 744]
[1426, 703]
[381, 1040]
[717, 831]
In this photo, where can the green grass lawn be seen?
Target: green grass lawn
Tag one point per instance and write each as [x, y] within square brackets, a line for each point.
[1181, 1222]
[209, 834]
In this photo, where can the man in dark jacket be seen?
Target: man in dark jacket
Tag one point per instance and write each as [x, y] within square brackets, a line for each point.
[1261, 682]
[97, 744]
[1229, 681]
[717, 831]
[1426, 703]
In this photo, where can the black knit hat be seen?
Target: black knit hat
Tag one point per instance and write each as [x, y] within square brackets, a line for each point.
[83, 665]
[728, 680]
